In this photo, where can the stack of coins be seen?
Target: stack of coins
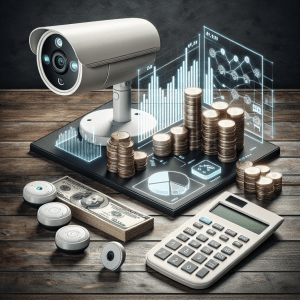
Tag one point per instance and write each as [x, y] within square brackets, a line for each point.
[179, 139]
[264, 170]
[210, 119]
[112, 149]
[221, 107]
[238, 116]
[140, 160]
[252, 174]
[277, 179]
[192, 116]
[240, 172]
[126, 167]
[265, 188]
[161, 144]
[226, 141]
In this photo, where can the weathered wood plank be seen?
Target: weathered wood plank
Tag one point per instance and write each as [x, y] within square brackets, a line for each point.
[21, 149]
[104, 282]
[44, 256]
[27, 228]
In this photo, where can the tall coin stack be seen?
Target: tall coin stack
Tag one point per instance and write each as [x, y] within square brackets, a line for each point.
[240, 172]
[252, 174]
[264, 170]
[179, 139]
[238, 116]
[126, 167]
[192, 116]
[265, 188]
[210, 119]
[140, 160]
[277, 179]
[226, 141]
[221, 107]
[112, 149]
[161, 144]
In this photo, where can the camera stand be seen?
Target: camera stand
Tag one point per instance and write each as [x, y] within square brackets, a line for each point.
[97, 127]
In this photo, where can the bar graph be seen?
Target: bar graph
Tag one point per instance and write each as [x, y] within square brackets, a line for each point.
[70, 142]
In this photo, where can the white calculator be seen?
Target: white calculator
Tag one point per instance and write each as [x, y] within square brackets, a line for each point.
[206, 247]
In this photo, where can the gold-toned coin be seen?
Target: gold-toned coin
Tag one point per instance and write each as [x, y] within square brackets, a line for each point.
[193, 92]
[264, 170]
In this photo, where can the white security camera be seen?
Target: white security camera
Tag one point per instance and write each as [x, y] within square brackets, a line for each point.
[81, 57]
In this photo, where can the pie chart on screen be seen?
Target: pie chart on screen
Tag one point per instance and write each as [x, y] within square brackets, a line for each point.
[168, 183]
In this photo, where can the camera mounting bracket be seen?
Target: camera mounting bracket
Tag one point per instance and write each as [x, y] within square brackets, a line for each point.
[97, 127]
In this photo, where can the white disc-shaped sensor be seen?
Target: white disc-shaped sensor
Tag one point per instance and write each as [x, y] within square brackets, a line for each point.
[113, 256]
[54, 215]
[72, 239]
[37, 193]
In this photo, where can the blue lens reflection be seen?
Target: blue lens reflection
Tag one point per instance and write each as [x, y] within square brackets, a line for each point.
[74, 66]
[58, 42]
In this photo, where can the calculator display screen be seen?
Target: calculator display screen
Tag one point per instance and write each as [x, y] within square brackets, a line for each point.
[239, 218]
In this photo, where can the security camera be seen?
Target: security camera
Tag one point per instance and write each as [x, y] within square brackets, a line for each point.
[78, 58]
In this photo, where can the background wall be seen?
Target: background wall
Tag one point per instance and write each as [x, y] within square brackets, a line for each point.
[272, 28]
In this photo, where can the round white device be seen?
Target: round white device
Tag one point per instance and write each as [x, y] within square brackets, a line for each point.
[113, 256]
[72, 239]
[37, 193]
[54, 215]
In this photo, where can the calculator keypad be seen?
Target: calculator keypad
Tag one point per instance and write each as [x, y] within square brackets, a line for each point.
[206, 250]
[163, 253]
[194, 244]
[243, 238]
[174, 245]
[227, 250]
[212, 264]
[202, 238]
[231, 232]
[218, 227]
[224, 238]
[237, 244]
[220, 256]
[202, 273]
[175, 260]
[186, 251]
[199, 258]
[189, 267]
[182, 237]
[211, 232]
[189, 231]
[214, 244]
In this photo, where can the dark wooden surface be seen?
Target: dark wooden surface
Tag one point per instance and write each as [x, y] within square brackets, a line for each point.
[32, 268]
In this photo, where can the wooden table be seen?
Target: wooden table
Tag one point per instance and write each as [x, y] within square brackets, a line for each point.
[31, 266]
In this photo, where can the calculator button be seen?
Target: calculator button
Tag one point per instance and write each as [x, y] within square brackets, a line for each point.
[182, 237]
[163, 253]
[205, 220]
[199, 258]
[202, 238]
[243, 238]
[220, 256]
[211, 232]
[186, 251]
[224, 237]
[231, 232]
[194, 244]
[198, 225]
[206, 250]
[212, 264]
[189, 231]
[218, 226]
[174, 245]
[214, 244]
[237, 244]
[175, 260]
[202, 273]
[189, 267]
[227, 250]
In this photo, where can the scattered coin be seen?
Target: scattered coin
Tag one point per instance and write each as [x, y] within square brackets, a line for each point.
[277, 179]
[140, 160]
[161, 144]
[221, 107]
[240, 172]
[238, 116]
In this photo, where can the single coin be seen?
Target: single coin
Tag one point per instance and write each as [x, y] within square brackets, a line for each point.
[161, 138]
[274, 175]
[252, 171]
[264, 170]
[193, 91]
[244, 164]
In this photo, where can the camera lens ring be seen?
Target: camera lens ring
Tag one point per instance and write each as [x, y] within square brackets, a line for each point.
[59, 62]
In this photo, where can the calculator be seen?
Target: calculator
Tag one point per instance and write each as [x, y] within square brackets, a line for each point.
[207, 246]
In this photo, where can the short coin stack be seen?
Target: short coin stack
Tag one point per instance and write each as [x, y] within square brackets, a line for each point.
[226, 141]
[210, 119]
[221, 107]
[140, 160]
[161, 144]
[265, 188]
[179, 139]
[126, 167]
[264, 170]
[252, 174]
[240, 172]
[277, 179]
[238, 116]
[192, 116]
[112, 149]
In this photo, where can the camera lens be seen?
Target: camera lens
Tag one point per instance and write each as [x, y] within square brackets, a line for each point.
[59, 62]
[73, 66]
[110, 255]
[39, 188]
[61, 81]
[58, 42]
[46, 59]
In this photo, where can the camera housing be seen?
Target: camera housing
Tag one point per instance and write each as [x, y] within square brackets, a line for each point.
[78, 58]
[113, 256]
